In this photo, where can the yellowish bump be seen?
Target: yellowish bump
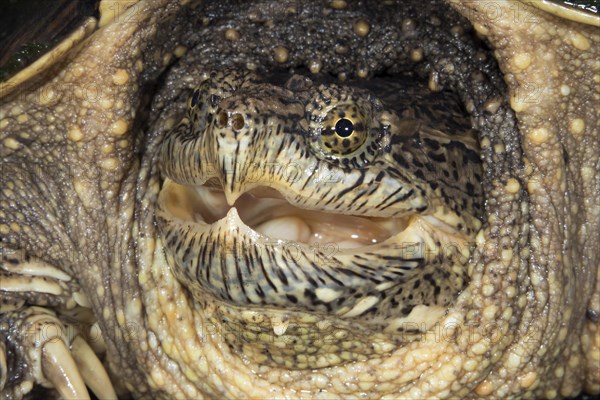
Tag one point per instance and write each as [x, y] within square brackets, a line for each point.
[120, 317]
[366, 386]
[3, 123]
[512, 186]
[78, 70]
[479, 348]
[109, 164]
[470, 365]
[16, 110]
[434, 82]
[389, 374]
[588, 174]
[488, 290]
[550, 394]
[522, 60]
[282, 54]
[106, 313]
[580, 42]
[166, 59]
[480, 28]
[514, 361]
[539, 135]
[341, 49]
[4, 229]
[119, 127]
[565, 90]
[74, 134]
[232, 34]
[536, 279]
[108, 148]
[416, 55]
[490, 311]
[574, 362]
[491, 106]
[15, 227]
[106, 103]
[562, 334]
[457, 30]
[158, 377]
[528, 379]
[517, 103]
[362, 72]
[47, 96]
[338, 4]
[315, 66]
[533, 186]
[180, 51]
[361, 28]
[22, 118]
[139, 65]
[485, 388]
[522, 301]
[120, 77]
[12, 143]
[559, 372]
[576, 126]
[100, 291]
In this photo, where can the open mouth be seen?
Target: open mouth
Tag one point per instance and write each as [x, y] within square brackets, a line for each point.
[266, 212]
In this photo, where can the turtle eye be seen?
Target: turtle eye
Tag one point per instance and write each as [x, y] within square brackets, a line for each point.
[344, 131]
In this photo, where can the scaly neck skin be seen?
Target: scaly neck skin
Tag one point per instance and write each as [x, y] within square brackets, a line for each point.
[155, 314]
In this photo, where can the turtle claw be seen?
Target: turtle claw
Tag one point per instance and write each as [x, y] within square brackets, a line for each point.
[37, 349]
[3, 367]
[60, 369]
[92, 370]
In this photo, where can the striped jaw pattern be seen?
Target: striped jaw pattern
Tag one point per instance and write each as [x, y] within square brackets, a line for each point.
[282, 208]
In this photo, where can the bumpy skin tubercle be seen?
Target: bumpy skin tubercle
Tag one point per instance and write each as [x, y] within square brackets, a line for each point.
[81, 179]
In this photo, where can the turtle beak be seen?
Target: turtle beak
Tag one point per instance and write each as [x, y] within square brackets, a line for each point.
[230, 142]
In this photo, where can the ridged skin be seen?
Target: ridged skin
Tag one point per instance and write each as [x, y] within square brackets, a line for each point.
[80, 180]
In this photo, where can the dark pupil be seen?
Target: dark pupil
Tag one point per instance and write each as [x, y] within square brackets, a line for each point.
[344, 127]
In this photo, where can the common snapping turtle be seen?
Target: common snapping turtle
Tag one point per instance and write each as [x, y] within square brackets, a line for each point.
[163, 183]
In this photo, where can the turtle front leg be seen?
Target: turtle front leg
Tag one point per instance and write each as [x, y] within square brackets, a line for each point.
[41, 346]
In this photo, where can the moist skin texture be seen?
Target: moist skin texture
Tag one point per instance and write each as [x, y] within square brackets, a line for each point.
[80, 181]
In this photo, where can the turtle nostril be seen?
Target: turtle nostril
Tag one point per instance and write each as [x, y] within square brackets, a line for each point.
[237, 121]
[222, 119]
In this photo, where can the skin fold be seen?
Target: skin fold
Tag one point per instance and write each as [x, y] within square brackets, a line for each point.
[80, 180]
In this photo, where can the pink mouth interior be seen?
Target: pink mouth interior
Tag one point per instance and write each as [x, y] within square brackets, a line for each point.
[264, 210]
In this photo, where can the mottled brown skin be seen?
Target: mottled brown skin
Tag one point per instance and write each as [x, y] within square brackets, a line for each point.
[527, 325]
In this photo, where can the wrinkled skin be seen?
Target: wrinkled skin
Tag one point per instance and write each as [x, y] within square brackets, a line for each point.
[527, 324]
